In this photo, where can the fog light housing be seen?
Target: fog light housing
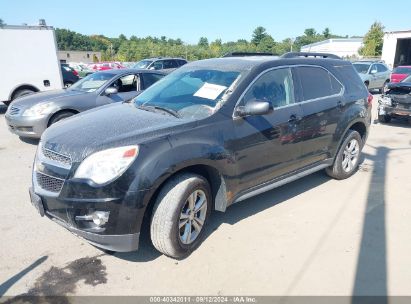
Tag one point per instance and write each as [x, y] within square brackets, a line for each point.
[100, 217]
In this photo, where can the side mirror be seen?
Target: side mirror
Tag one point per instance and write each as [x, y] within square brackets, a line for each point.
[111, 91]
[374, 71]
[254, 107]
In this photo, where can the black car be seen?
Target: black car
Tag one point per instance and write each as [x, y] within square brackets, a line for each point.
[70, 75]
[396, 102]
[213, 133]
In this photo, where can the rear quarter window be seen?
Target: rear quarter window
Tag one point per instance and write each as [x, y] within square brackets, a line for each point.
[317, 82]
[351, 80]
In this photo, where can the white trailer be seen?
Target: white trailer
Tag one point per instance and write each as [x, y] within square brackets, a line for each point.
[396, 49]
[28, 60]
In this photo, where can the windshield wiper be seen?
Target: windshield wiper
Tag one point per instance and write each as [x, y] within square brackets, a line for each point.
[169, 111]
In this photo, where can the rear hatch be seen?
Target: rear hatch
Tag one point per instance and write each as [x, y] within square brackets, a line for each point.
[400, 93]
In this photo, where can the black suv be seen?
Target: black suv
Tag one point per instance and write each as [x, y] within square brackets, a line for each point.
[213, 133]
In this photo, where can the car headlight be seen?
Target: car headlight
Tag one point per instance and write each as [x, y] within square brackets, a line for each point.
[39, 109]
[107, 165]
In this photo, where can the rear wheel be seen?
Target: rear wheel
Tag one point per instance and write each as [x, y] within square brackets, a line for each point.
[180, 214]
[348, 156]
[68, 84]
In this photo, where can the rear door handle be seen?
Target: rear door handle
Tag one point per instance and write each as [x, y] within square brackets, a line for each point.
[340, 104]
[294, 119]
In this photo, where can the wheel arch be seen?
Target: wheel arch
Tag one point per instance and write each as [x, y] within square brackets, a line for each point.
[59, 112]
[22, 87]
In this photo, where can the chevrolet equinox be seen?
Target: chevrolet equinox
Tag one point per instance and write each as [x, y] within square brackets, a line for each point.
[213, 133]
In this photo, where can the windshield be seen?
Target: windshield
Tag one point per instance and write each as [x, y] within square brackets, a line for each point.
[361, 68]
[143, 64]
[92, 82]
[190, 92]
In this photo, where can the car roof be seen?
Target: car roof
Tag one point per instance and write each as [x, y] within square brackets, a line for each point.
[250, 62]
[163, 58]
[125, 71]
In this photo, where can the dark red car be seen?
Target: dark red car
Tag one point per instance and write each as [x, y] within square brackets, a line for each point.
[400, 73]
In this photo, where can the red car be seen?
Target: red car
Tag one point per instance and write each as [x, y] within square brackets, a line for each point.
[102, 66]
[400, 73]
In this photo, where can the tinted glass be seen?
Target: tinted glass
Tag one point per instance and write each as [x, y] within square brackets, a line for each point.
[181, 62]
[158, 65]
[275, 87]
[317, 83]
[170, 64]
[149, 79]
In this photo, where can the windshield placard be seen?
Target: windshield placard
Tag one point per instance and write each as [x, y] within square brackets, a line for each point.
[210, 91]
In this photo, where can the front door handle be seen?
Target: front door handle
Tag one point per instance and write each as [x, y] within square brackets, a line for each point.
[294, 119]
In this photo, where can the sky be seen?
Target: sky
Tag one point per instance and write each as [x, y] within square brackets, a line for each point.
[228, 20]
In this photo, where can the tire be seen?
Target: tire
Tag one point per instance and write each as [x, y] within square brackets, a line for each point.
[59, 116]
[342, 169]
[367, 85]
[67, 84]
[384, 118]
[383, 87]
[171, 205]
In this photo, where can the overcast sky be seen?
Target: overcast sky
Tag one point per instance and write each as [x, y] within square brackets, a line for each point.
[189, 19]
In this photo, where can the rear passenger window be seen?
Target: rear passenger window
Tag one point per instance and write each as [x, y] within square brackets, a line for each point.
[275, 86]
[381, 68]
[317, 83]
[170, 64]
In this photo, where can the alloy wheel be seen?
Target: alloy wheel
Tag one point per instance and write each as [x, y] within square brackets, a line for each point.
[192, 217]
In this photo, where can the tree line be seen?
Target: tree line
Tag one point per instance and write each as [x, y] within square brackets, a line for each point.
[135, 48]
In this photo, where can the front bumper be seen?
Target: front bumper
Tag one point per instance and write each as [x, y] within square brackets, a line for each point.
[26, 126]
[114, 236]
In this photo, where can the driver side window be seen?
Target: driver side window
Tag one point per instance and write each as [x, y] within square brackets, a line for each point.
[275, 86]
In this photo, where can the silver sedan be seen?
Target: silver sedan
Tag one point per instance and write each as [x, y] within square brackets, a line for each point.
[29, 116]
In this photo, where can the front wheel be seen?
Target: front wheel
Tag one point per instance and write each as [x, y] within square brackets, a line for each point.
[348, 156]
[180, 214]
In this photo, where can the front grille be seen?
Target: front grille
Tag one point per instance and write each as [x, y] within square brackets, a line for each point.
[14, 110]
[49, 183]
[57, 157]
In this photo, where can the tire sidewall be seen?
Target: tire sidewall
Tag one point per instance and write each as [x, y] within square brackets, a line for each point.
[337, 168]
[60, 117]
[185, 249]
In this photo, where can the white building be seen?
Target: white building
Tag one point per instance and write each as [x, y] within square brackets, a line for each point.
[397, 48]
[343, 47]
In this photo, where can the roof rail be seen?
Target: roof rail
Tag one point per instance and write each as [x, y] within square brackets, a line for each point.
[244, 54]
[306, 54]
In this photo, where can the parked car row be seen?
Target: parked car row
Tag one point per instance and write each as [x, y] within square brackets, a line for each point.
[210, 134]
[31, 115]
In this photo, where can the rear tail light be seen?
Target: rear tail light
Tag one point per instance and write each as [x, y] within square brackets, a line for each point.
[369, 99]
[75, 73]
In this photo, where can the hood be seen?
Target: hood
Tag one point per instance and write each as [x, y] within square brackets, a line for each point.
[106, 127]
[32, 99]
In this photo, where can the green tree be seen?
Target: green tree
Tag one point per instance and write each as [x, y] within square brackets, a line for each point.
[266, 44]
[326, 33]
[373, 41]
[258, 35]
[310, 32]
[203, 42]
[2, 23]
